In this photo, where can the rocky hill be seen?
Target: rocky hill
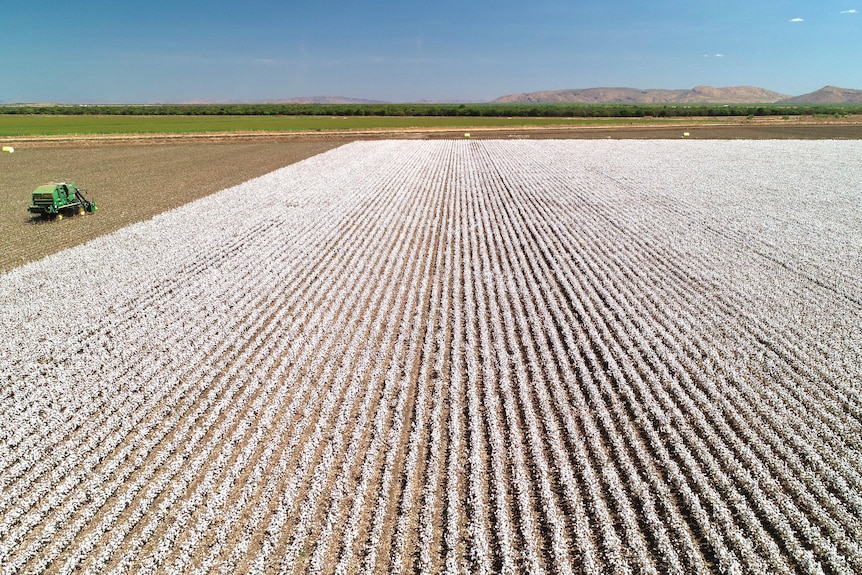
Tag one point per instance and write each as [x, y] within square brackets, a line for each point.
[697, 95]
[828, 95]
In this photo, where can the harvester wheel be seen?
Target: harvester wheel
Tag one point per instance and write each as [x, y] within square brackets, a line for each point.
[81, 211]
[59, 217]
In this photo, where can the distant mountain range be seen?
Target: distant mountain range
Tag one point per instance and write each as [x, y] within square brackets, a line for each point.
[696, 95]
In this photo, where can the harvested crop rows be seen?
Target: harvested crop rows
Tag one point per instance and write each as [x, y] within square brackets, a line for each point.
[452, 356]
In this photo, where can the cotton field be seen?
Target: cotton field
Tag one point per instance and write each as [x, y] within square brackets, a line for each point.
[452, 357]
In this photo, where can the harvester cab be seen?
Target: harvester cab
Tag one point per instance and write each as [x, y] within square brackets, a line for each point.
[52, 200]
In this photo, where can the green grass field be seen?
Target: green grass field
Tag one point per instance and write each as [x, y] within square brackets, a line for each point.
[47, 125]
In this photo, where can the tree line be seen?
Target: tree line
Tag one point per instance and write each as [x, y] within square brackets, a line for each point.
[478, 109]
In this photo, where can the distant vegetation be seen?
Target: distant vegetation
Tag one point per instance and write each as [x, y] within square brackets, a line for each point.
[449, 110]
[34, 120]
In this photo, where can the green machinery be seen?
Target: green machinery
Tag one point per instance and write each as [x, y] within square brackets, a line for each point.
[52, 200]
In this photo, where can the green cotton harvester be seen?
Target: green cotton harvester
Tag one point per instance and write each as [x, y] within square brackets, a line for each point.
[52, 200]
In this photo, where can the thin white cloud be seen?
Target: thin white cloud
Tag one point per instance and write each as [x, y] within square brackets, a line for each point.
[713, 55]
[851, 11]
[797, 20]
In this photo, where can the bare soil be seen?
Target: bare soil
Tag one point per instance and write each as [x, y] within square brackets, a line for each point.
[134, 177]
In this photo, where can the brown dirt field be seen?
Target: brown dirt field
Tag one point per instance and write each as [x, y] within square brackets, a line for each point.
[134, 177]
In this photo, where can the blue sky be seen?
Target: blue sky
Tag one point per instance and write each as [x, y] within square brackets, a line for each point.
[409, 50]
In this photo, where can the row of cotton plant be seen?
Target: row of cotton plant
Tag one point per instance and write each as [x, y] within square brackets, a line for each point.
[400, 374]
[325, 468]
[517, 398]
[197, 360]
[109, 328]
[623, 500]
[199, 462]
[800, 404]
[449, 376]
[339, 359]
[745, 452]
[484, 423]
[803, 214]
[309, 408]
[455, 428]
[262, 465]
[427, 434]
[429, 287]
[610, 321]
[104, 448]
[467, 539]
[818, 223]
[623, 441]
[619, 432]
[612, 552]
[489, 255]
[297, 478]
[805, 357]
[399, 544]
[596, 336]
[431, 500]
[742, 519]
[604, 259]
[810, 360]
[268, 345]
[708, 406]
[523, 326]
[396, 261]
